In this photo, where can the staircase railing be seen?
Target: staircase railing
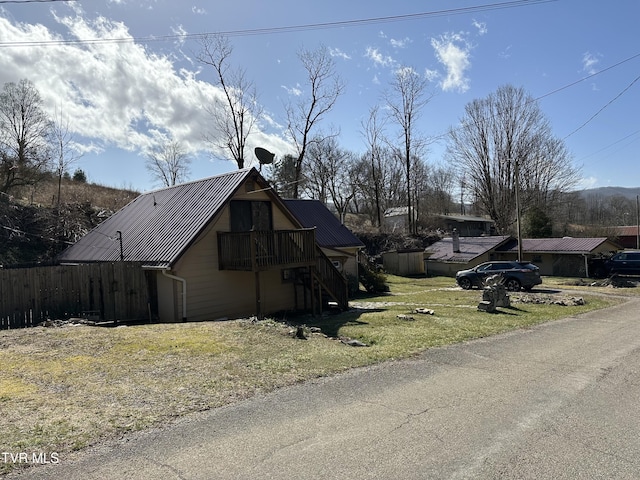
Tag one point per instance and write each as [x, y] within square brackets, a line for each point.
[330, 278]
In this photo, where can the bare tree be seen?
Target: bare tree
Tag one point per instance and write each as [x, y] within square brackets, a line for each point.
[169, 164]
[325, 86]
[328, 170]
[440, 184]
[373, 134]
[405, 101]
[390, 176]
[503, 133]
[63, 148]
[24, 134]
[236, 113]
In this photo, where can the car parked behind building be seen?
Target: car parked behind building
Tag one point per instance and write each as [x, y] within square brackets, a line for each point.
[515, 275]
[626, 262]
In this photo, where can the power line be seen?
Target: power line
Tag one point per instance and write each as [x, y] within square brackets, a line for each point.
[35, 1]
[608, 103]
[612, 144]
[564, 87]
[285, 29]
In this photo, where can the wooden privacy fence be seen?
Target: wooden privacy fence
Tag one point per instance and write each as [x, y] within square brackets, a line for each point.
[104, 291]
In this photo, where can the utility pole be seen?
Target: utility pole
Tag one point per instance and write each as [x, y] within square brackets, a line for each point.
[638, 222]
[518, 212]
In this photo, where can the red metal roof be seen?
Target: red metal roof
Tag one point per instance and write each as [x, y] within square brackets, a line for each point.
[158, 226]
[556, 245]
[625, 231]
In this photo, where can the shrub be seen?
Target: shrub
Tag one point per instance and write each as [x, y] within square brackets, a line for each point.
[372, 281]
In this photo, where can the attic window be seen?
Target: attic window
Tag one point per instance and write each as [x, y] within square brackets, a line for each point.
[250, 215]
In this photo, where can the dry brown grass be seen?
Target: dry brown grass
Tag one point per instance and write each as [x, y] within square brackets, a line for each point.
[98, 196]
[62, 389]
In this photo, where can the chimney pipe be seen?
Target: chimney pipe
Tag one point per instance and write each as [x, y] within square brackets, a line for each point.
[455, 237]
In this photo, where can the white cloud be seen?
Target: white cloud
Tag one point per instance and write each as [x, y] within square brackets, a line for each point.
[179, 30]
[588, 182]
[453, 51]
[506, 53]
[481, 26]
[379, 59]
[336, 52]
[295, 91]
[431, 75]
[115, 94]
[402, 43]
[590, 62]
[198, 11]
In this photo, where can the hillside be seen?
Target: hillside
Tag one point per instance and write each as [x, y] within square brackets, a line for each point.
[34, 228]
[629, 193]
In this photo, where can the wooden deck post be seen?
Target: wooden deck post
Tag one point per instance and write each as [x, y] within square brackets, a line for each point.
[258, 299]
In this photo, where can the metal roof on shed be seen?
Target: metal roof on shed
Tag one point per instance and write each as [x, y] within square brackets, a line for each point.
[556, 245]
[470, 248]
[158, 226]
[330, 233]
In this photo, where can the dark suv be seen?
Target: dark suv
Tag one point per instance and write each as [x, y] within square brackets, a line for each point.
[515, 275]
[622, 263]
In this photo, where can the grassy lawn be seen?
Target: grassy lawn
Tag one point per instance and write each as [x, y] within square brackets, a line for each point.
[62, 389]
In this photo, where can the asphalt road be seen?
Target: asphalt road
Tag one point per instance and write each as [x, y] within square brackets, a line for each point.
[558, 401]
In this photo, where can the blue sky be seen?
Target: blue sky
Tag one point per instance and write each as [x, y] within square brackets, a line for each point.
[580, 58]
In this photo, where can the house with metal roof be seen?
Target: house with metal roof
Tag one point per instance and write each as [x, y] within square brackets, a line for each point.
[565, 257]
[554, 256]
[337, 242]
[454, 253]
[627, 236]
[220, 247]
[467, 225]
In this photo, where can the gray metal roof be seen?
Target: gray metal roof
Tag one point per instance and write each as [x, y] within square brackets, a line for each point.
[158, 226]
[556, 245]
[465, 218]
[330, 233]
[470, 248]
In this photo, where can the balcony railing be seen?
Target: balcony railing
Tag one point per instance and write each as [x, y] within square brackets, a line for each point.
[264, 250]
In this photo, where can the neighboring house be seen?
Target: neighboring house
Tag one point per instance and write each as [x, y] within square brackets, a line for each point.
[337, 242]
[554, 256]
[567, 257]
[221, 247]
[454, 253]
[626, 236]
[395, 219]
[467, 225]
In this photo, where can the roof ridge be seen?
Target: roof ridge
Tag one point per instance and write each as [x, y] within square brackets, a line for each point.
[206, 179]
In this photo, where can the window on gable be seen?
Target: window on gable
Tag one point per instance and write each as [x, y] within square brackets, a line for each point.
[250, 215]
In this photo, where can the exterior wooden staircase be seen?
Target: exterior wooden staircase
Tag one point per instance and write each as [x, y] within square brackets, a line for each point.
[286, 249]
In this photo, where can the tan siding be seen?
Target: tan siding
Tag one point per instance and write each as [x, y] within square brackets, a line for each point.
[213, 294]
[447, 269]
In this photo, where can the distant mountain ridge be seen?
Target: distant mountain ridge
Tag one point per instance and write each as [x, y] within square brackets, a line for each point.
[626, 192]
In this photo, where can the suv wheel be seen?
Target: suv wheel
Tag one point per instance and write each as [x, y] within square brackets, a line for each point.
[512, 284]
[465, 283]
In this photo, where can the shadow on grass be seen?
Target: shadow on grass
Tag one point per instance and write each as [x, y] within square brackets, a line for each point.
[503, 312]
[331, 323]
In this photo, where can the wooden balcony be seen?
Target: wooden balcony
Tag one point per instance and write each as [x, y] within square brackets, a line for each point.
[266, 250]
